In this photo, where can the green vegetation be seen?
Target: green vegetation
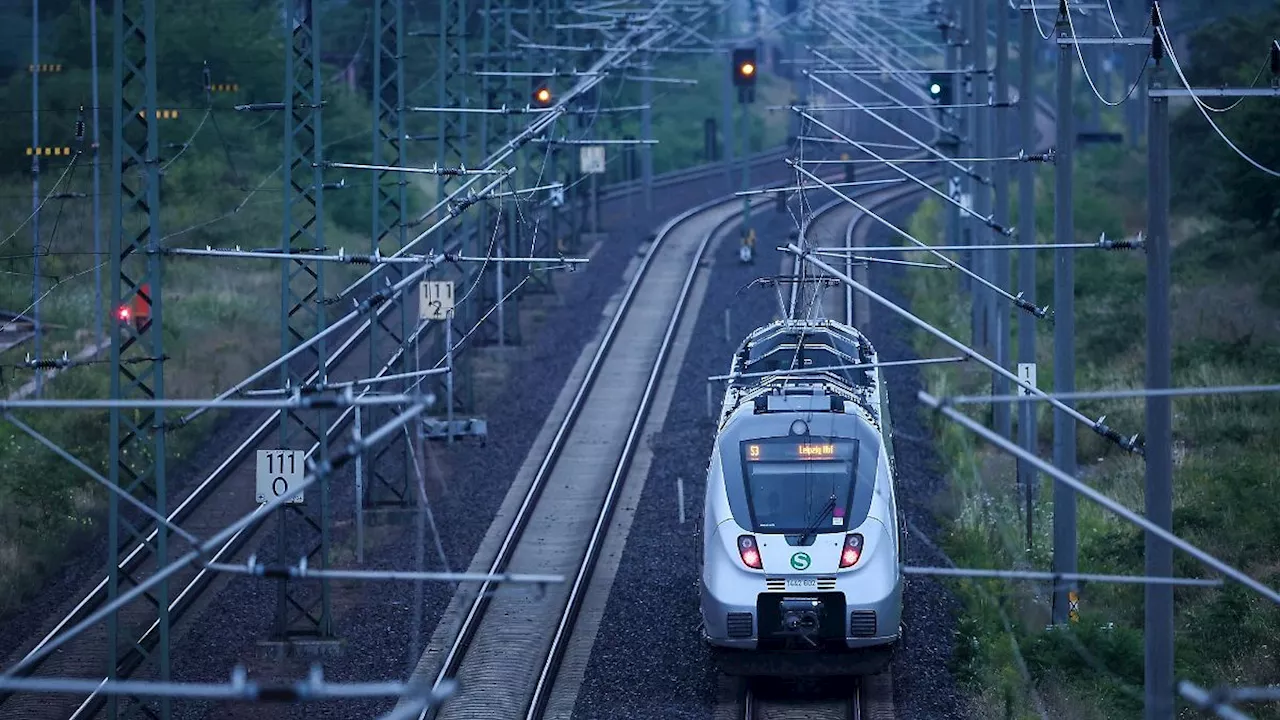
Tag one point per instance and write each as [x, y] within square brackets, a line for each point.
[1224, 310]
[224, 189]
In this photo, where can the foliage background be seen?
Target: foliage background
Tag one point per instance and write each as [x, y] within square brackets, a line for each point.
[1225, 309]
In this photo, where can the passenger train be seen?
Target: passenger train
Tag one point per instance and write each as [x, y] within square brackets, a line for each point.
[801, 536]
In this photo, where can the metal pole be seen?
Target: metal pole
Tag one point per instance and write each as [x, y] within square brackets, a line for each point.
[512, 233]
[726, 109]
[1003, 415]
[35, 187]
[1159, 441]
[984, 302]
[302, 230]
[746, 168]
[646, 132]
[1064, 356]
[500, 290]
[1138, 10]
[359, 491]
[448, 354]
[955, 185]
[97, 176]
[137, 454]
[1027, 330]
[595, 203]
[967, 148]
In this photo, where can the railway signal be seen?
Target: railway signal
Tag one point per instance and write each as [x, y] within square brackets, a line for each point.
[745, 71]
[542, 95]
[138, 311]
[941, 88]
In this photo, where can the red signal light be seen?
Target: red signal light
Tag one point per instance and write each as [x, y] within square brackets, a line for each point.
[749, 552]
[123, 313]
[852, 550]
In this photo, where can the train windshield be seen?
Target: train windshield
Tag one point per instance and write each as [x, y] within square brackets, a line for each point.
[798, 484]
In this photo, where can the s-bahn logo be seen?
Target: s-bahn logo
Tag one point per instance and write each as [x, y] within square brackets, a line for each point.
[801, 561]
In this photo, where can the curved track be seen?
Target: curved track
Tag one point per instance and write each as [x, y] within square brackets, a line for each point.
[841, 224]
[509, 648]
[231, 481]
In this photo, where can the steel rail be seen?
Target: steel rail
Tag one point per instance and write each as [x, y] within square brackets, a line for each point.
[454, 657]
[559, 642]
[752, 706]
[480, 603]
[195, 499]
[225, 469]
[214, 480]
[187, 597]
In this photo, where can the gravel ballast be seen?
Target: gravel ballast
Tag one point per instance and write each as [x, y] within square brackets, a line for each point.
[466, 483]
[648, 661]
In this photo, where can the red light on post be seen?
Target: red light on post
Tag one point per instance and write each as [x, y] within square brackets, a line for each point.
[123, 313]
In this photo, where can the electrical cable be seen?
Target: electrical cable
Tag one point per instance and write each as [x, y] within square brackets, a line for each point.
[1087, 76]
[1168, 46]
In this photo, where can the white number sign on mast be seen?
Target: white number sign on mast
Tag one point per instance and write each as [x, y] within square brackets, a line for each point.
[278, 471]
[435, 299]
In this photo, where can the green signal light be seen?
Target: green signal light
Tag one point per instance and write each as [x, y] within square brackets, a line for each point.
[936, 89]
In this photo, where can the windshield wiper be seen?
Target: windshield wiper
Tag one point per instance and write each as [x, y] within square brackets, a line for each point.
[822, 515]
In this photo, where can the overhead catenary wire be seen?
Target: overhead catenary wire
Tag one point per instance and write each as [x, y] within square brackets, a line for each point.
[1167, 46]
[924, 247]
[1130, 444]
[336, 460]
[1085, 67]
[1105, 501]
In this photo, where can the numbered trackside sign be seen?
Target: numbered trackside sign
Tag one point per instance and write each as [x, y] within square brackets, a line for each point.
[278, 471]
[591, 159]
[435, 299]
[1027, 374]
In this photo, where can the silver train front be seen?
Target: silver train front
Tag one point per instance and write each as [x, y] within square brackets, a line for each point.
[782, 600]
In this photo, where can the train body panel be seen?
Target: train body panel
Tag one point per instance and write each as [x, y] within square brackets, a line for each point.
[801, 532]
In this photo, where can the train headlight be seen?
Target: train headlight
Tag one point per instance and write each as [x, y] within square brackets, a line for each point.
[749, 552]
[852, 550]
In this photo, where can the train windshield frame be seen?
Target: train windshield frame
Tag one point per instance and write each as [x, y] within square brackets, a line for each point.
[790, 483]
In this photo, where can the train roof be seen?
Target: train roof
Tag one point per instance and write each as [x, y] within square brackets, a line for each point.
[805, 366]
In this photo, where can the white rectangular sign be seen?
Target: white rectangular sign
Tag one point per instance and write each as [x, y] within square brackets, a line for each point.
[1027, 374]
[435, 299]
[591, 159]
[278, 471]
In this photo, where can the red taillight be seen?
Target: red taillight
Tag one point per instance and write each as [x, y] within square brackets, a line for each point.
[749, 552]
[852, 550]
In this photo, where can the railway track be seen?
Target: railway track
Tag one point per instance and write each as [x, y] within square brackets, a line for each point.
[841, 705]
[232, 482]
[841, 224]
[856, 698]
[509, 648]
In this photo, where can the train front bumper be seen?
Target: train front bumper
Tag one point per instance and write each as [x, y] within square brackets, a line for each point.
[847, 611]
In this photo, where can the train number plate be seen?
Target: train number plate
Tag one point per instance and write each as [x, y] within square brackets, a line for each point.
[802, 583]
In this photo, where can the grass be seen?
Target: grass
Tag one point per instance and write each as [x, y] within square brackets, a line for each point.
[1225, 333]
